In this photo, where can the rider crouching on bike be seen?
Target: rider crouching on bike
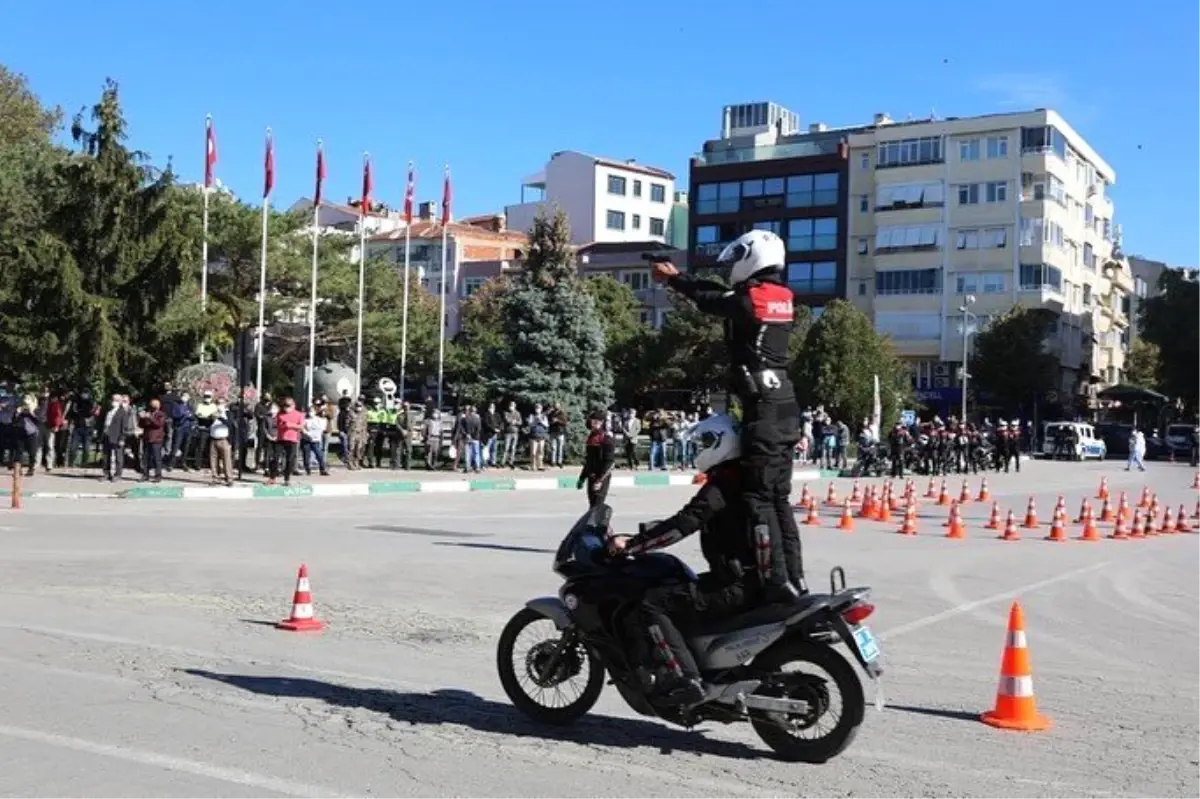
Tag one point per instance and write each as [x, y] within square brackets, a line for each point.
[734, 581]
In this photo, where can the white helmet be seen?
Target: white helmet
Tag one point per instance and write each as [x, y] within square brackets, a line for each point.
[717, 441]
[753, 253]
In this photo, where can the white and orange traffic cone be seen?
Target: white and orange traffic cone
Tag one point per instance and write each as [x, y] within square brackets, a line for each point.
[1011, 533]
[1031, 520]
[1102, 492]
[909, 527]
[1016, 708]
[943, 495]
[993, 522]
[831, 499]
[1058, 531]
[302, 618]
[1090, 533]
[931, 492]
[984, 493]
[1181, 521]
[846, 523]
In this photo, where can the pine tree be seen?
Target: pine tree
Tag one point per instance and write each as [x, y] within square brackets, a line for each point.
[555, 351]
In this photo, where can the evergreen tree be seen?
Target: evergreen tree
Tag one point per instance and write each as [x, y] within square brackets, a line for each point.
[555, 341]
[1010, 361]
[1169, 320]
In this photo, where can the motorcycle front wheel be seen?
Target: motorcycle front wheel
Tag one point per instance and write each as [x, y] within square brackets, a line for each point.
[787, 734]
[554, 679]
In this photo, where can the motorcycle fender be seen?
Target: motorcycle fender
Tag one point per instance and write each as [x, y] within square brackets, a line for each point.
[553, 609]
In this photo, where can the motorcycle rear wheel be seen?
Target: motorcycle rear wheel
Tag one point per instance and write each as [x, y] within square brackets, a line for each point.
[517, 694]
[819, 750]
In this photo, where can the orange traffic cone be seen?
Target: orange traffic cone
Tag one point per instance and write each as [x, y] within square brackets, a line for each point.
[1106, 512]
[1120, 532]
[1196, 481]
[804, 498]
[1083, 507]
[1153, 505]
[1151, 528]
[897, 503]
[813, 519]
[984, 493]
[955, 524]
[1181, 521]
[856, 494]
[909, 527]
[993, 522]
[1089, 526]
[1144, 501]
[868, 504]
[1138, 529]
[1168, 524]
[1016, 708]
[831, 496]
[1031, 521]
[1123, 507]
[943, 495]
[883, 511]
[846, 523]
[964, 496]
[1102, 493]
[1058, 530]
[1060, 506]
[931, 492]
[302, 618]
[1011, 533]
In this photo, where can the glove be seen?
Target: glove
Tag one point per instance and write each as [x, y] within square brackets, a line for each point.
[579, 485]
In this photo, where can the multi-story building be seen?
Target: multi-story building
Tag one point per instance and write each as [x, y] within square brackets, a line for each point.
[1146, 274]
[477, 249]
[984, 213]
[623, 262]
[677, 222]
[605, 200]
[765, 172]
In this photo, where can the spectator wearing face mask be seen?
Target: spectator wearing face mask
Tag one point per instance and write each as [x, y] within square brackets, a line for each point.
[291, 425]
[154, 428]
[220, 448]
[313, 441]
[113, 439]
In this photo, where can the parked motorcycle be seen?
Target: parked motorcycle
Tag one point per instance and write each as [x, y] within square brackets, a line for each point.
[592, 628]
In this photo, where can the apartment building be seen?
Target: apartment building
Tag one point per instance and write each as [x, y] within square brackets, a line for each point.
[478, 248]
[984, 213]
[605, 199]
[765, 172]
[623, 262]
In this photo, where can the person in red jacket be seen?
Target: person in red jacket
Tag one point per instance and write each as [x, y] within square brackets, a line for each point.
[154, 429]
[598, 459]
[55, 445]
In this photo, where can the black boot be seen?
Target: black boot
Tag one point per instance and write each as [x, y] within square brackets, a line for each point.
[680, 692]
[782, 593]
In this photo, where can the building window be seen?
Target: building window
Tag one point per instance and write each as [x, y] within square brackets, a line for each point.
[861, 246]
[812, 278]
[864, 161]
[657, 227]
[706, 198]
[1089, 257]
[472, 285]
[993, 238]
[864, 203]
[1086, 301]
[1139, 287]
[770, 187]
[615, 220]
[966, 239]
[1040, 276]
[800, 191]
[910, 152]
[616, 185]
[812, 234]
[997, 147]
[968, 150]
[775, 227]
[825, 188]
[637, 221]
[980, 283]
[637, 188]
[908, 281]
[637, 280]
[1044, 139]
[729, 198]
[997, 191]
[1031, 231]
[658, 193]
[968, 194]
[907, 237]
[891, 196]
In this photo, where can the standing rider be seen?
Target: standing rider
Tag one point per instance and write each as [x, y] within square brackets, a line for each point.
[731, 586]
[758, 314]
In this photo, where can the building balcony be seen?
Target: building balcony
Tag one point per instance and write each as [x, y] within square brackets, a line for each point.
[1043, 296]
[1115, 315]
[767, 152]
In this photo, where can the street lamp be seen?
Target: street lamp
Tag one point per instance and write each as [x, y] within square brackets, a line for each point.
[969, 300]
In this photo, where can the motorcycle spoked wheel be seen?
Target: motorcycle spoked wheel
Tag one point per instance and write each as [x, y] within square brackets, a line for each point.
[535, 668]
[776, 729]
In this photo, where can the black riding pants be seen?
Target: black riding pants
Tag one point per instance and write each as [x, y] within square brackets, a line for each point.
[770, 430]
[679, 609]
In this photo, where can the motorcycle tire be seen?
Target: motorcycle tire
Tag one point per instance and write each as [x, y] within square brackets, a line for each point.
[557, 716]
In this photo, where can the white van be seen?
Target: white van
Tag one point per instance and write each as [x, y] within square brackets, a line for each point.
[1087, 444]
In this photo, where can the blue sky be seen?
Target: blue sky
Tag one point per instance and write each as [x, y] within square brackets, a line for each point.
[494, 89]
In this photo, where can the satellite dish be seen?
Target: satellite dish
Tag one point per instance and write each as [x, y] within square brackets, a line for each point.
[387, 386]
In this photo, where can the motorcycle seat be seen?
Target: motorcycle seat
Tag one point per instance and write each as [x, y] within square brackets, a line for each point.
[764, 614]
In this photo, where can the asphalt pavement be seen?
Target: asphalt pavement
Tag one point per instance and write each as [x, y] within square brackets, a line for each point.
[137, 656]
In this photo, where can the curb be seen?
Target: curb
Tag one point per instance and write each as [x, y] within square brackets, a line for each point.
[484, 484]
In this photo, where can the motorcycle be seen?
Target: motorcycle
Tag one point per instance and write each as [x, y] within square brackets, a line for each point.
[592, 629]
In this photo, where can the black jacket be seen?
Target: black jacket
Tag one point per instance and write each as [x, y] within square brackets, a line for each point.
[598, 456]
[718, 513]
[758, 323]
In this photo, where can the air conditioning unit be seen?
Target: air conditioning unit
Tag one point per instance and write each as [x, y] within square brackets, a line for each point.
[941, 370]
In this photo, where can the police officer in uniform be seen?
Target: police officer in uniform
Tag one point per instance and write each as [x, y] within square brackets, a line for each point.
[757, 311]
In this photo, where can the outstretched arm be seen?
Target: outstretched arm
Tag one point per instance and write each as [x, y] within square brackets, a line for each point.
[707, 502]
[710, 296]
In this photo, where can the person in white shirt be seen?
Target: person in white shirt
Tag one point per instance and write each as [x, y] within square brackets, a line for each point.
[312, 442]
[1137, 450]
[220, 453]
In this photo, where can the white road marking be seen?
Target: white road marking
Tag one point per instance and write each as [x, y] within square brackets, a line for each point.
[966, 607]
[147, 758]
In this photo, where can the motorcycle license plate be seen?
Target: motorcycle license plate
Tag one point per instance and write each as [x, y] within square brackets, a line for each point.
[866, 644]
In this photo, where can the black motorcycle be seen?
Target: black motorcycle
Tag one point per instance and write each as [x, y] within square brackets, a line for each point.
[592, 628]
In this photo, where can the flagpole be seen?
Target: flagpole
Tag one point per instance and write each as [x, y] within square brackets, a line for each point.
[442, 292]
[262, 270]
[362, 273]
[204, 271]
[404, 318]
[312, 303]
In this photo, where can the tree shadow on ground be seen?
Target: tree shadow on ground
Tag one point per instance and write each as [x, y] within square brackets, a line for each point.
[466, 709]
